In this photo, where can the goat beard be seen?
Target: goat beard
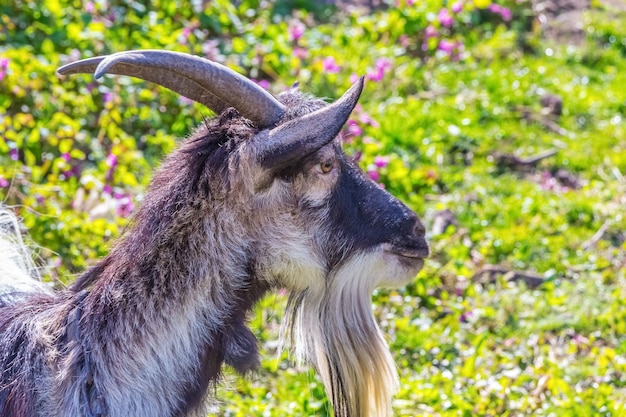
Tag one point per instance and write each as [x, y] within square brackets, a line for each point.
[334, 328]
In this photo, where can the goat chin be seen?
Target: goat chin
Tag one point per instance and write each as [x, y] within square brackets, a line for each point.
[336, 331]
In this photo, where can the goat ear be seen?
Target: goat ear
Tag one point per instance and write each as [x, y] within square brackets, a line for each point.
[290, 142]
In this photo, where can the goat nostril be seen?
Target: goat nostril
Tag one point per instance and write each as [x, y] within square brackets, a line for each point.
[419, 229]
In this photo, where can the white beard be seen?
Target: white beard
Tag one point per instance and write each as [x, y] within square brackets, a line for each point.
[334, 329]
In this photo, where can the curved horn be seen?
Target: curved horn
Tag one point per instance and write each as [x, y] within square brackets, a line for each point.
[288, 143]
[196, 78]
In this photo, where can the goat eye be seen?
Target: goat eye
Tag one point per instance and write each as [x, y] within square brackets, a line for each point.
[326, 166]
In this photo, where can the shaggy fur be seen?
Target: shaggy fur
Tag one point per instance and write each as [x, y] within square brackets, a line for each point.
[146, 331]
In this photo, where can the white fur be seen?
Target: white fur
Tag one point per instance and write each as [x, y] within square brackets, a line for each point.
[344, 333]
[18, 272]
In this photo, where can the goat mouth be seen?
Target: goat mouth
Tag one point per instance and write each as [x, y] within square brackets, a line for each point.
[411, 257]
[408, 252]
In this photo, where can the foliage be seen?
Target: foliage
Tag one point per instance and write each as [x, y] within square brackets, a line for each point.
[451, 87]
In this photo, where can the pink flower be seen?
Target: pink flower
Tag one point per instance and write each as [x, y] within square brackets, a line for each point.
[300, 53]
[404, 41]
[184, 37]
[504, 12]
[211, 50]
[66, 157]
[4, 183]
[445, 18]
[111, 160]
[4, 65]
[263, 83]
[90, 7]
[375, 76]
[457, 7]
[296, 30]
[446, 46]
[185, 100]
[330, 65]
[383, 64]
[430, 32]
[381, 161]
[374, 175]
[124, 204]
[366, 119]
[353, 128]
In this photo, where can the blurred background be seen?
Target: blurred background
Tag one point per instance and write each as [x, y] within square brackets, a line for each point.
[500, 122]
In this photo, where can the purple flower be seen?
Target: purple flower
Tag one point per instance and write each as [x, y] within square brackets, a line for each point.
[4, 183]
[330, 66]
[381, 161]
[66, 157]
[466, 316]
[296, 30]
[90, 7]
[107, 97]
[457, 7]
[14, 154]
[445, 18]
[107, 190]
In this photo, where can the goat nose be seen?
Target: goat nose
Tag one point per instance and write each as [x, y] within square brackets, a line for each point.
[419, 229]
[419, 237]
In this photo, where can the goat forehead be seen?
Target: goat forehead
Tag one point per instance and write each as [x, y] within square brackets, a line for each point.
[298, 104]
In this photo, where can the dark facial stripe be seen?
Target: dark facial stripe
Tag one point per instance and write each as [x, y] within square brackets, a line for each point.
[363, 215]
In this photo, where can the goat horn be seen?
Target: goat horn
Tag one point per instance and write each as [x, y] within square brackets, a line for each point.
[209, 83]
[290, 142]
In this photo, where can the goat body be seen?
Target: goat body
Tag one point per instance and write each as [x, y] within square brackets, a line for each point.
[250, 202]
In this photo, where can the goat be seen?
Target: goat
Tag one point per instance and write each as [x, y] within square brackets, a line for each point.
[261, 197]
